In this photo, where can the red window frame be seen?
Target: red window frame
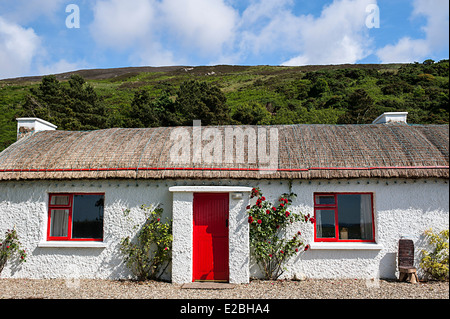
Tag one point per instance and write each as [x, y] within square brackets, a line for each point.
[68, 207]
[334, 207]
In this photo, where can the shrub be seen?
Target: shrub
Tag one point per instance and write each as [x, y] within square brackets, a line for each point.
[10, 247]
[271, 246]
[149, 255]
[435, 263]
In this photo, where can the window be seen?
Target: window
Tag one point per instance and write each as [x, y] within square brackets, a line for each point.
[75, 217]
[343, 217]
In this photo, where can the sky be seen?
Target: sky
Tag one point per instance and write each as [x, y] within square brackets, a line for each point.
[39, 37]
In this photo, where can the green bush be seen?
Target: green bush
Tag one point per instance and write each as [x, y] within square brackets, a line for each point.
[149, 255]
[435, 263]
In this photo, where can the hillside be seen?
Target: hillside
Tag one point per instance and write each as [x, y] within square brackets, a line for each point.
[167, 96]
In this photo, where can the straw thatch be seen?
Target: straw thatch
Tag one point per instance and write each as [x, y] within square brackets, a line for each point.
[300, 152]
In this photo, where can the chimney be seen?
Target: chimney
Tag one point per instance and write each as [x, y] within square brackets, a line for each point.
[32, 125]
[391, 117]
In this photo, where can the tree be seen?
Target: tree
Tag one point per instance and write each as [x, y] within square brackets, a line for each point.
[146, 112]
[140, 113]
[360, 109]
[319, 88]
[72, 107]
[85, 104]
[201, 101]
[251, 114]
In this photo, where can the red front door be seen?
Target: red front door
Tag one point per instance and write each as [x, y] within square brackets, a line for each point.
[210, 251]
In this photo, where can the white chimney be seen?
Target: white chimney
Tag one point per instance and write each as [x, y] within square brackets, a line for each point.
[390, 117]
[32, 125]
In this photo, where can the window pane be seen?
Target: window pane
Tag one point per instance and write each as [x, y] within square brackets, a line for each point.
[59, 222]
[325, 200]
[87, 216]
[355, 217]
[61, 200]
[325, 225]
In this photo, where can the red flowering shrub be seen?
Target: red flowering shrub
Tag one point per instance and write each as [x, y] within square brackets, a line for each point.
[268, 224]
[10, 246]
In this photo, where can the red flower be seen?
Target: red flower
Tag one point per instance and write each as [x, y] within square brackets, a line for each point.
[287, 214]
[281, 199]
[158, 219]
[312, 220]
[270, 255]
[250, 220]
[259, 221]
[286, 200]
[268, 212]
[282, 205]
[274, 208]
[299, 233]
[296, 250]
[281, 251]
[248, 207]
[306, 247]
[263, 198]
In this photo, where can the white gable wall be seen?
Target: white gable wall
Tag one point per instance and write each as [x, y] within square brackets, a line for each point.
[402, 208]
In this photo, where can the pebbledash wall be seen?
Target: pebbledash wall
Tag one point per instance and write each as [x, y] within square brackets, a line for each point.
[402, 207]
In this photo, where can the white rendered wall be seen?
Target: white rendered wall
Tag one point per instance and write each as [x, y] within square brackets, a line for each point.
[402, 208]
[24, 205]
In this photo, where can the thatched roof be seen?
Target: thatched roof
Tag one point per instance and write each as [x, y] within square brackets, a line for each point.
[301, 152]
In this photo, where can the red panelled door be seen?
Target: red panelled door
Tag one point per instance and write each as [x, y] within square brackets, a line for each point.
[210, 251]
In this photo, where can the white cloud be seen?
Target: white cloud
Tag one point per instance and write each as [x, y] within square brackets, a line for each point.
[268, 26]
[18, 46]
[204, 25]
[436, 34]
[60, 66]
[154, 54]
[120, 24]
[339, 35]
[24, 11]
[150, 28]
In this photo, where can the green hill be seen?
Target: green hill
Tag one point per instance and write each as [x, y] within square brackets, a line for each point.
[167, 96]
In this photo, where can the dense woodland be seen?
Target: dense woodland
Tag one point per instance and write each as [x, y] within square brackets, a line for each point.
[223, 95]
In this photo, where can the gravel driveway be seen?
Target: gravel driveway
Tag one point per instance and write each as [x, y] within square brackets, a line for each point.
[307, 289]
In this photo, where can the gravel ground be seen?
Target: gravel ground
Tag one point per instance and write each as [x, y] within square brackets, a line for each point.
[307, 289]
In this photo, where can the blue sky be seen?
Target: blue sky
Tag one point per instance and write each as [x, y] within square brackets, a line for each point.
[35, 38]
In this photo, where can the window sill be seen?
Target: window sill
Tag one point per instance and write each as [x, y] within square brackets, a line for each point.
[72, 244]
[346, 246]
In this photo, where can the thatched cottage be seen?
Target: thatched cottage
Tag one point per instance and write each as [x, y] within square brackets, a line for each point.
[367, 186]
